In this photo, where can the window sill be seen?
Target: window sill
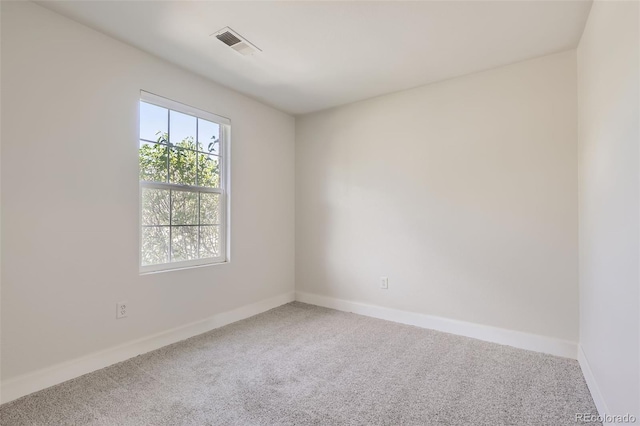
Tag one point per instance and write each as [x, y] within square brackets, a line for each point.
[169, 267]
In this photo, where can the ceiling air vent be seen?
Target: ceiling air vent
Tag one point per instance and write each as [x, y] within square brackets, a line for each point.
[236, 41]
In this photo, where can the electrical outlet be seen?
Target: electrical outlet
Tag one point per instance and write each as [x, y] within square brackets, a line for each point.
[122, 309]
[384, 283]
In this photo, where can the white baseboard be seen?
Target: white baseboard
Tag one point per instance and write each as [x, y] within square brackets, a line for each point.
[28, 383]
[591, 383]
[518, 339]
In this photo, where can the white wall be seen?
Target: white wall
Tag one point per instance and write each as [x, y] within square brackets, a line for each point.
[463, 193]
[609, 211]
[70, 195]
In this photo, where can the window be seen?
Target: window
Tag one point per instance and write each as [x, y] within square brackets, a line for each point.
[184, 171]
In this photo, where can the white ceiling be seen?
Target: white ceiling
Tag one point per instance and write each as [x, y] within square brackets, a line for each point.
[317, 55]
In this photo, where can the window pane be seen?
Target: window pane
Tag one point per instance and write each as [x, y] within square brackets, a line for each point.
[209, 241]
[153, 162]
[209, 208]
[155, 206]
[184, 243]
[208, 136]
[182, 166]
[153, 121]
[155, 245]
[184, 205]
[182, 129]
[208, 170]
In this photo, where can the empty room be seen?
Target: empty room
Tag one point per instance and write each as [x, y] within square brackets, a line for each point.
[319, 213]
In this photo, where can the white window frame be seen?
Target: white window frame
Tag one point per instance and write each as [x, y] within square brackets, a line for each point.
[223, 190]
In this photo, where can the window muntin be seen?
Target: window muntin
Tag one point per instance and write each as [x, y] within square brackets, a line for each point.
[182, 185]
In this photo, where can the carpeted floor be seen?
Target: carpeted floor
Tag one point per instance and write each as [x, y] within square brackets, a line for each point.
[304, 365]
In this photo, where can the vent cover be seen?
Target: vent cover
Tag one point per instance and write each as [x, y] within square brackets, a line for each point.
[228, 38]
[236, 41]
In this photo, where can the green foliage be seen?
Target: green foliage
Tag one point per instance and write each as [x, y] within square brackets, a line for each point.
[181, 162]
[194, 215]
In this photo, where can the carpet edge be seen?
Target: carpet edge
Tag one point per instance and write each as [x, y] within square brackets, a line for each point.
[517, 339]
[28, 383]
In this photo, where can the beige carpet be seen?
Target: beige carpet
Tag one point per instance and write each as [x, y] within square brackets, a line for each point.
[304, 365]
